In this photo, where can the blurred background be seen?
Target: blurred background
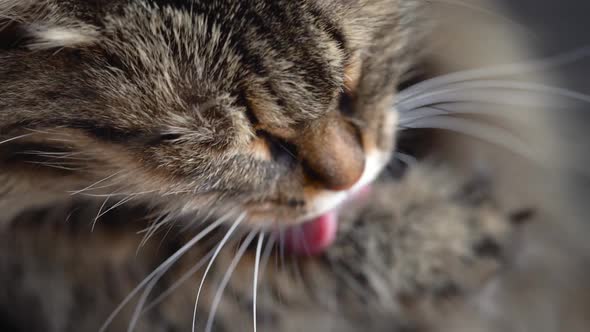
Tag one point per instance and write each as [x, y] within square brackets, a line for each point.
[546, 288]
[559, 26]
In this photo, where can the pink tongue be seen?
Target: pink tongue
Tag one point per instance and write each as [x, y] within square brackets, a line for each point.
[313, 237]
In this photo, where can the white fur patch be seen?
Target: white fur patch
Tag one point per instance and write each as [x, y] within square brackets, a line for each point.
[56, 37]
[375, 161]
[329, 200]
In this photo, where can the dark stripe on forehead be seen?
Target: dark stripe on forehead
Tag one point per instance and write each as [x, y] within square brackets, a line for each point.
[288, 29]
[294, 17]
[330, 27]
[277, 8]
[244, 27]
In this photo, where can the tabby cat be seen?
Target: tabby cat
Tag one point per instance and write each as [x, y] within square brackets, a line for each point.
[177, 165]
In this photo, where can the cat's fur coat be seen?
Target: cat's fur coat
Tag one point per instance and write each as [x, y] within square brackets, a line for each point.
[444, 248]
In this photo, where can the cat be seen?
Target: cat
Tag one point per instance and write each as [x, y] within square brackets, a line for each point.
[239, 124]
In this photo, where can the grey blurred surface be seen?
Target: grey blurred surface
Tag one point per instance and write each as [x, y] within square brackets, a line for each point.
[559, 26]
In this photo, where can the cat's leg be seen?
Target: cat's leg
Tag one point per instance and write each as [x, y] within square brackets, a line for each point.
[427, 241]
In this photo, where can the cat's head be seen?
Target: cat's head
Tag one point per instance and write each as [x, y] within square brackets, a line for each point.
[281, 109]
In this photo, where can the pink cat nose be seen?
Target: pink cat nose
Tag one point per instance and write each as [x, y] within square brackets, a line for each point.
[332, 154]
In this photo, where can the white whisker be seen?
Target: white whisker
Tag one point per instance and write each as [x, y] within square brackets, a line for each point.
[179, 282]
[114, 194]
[496, 91]
[480, 9]
[116, 205]
[98, 214]
[56, 155]
[142, 300]
[272, 239]
[153, 228]
[217, 250]
[405, 158]
[487, 133]
[255, 281]
[421, 113]
[162, 268]
[15, 138]
[496, 71]
[61, 166]
[95, 183]
[225, 280]
[282, 247]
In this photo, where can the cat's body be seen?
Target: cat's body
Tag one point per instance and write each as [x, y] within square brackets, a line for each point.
[393, 265]
[120, 116]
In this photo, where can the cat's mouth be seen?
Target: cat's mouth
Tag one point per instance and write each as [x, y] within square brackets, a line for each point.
[314, 236]
[317, 232]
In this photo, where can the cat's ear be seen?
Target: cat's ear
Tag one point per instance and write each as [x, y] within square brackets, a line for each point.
[38, 25]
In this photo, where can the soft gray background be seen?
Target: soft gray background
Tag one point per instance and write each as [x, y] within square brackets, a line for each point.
[559, 26]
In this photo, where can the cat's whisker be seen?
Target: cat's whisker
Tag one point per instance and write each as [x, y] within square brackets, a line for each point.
[451, 109]
[211, 261]
[458, 109]
[52, 153]
[490, 91]
[284, 148]
[226, 278]
[304, 238]
[70, 214]
[141, 302]
[92, 186]
[139, 309]
[425, 112]
[483, 102]
[114, 194]
[480, 9]
[60, 166]
[64, 162]
[526, 86]
[152, 229]
[55, 155]
[255, 279]
[294, 262]
[282, 247]
[405, 158]
[116, 205]
[168, 230]
[211, 211]
[495, 71]
[487, 133]
[272, 239]
[99, 213]
[15, 138]
[178, 192]
[155, 222]
[162, 268]
[117, 193]
[280, 256]
[179, 282]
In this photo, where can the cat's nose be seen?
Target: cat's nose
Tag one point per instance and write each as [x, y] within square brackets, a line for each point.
[332, 153]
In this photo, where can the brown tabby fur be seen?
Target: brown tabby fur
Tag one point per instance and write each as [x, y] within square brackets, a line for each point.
[183, 110]
[220, 102]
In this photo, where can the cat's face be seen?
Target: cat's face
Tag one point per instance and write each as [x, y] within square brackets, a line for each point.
[281, 109]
